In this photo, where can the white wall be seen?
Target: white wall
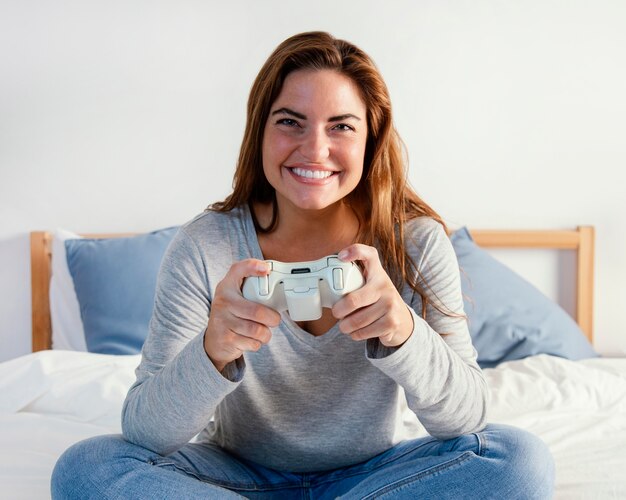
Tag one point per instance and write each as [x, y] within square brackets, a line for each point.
[127, 116]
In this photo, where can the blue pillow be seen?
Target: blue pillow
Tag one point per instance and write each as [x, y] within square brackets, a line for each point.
[508, 317]
[115, 281]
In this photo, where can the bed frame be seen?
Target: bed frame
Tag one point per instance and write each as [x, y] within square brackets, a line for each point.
[581, 240]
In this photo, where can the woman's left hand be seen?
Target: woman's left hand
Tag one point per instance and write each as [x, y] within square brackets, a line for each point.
[376, 309]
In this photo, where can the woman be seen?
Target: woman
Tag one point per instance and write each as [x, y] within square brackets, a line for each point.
[311, 409]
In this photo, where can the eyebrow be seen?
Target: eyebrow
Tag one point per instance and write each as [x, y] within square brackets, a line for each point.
[291, 112]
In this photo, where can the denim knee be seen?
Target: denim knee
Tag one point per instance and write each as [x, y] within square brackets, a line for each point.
[525, 460]
[75, 470]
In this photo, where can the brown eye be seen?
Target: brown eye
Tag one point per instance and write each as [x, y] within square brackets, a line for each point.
[343, 127]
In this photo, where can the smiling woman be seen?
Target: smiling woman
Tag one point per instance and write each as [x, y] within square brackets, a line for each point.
[314, 147]
[311, 409]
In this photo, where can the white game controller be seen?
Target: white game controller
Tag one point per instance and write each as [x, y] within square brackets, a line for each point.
[303, 288]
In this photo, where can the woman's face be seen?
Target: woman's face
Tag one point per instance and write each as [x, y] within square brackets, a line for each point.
[314, 139]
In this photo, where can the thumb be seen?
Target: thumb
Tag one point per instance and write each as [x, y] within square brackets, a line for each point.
[246, 268]
[366, 255]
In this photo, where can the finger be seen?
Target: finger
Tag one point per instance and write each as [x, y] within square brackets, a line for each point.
[352, 302]
[235, 345]
[247, 310]
[244, 269]
[229, 301]
[234, 336]
[228, 295]
[230, 286]
[251, 330]
[379, 328]
[361, 318]
[365, 254]
[392, 328]
[224, 345]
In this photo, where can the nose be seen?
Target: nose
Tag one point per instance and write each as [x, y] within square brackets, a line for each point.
[315, 146]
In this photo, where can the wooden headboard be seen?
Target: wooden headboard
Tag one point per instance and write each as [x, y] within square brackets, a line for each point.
[581, 240]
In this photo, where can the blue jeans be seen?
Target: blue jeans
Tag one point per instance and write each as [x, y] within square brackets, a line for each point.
[500, 462]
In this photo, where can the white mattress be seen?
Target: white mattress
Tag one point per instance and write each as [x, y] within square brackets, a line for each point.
[51, 399]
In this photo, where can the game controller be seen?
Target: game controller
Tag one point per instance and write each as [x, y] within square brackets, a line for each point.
[303, 288]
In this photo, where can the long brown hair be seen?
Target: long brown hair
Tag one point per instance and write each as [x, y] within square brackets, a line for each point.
[383, 200]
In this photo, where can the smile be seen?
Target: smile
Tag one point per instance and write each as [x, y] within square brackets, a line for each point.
[311, 174]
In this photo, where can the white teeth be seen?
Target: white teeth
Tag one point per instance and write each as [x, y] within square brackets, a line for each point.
[311, 174]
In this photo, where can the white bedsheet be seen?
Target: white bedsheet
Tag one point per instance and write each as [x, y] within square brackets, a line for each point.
[48, 401]
[51, 399]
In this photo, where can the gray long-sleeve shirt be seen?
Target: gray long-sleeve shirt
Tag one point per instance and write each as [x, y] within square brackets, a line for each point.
[301, 403]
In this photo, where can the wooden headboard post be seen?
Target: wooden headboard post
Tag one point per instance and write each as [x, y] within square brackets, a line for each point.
[40, 253]
[585, 280]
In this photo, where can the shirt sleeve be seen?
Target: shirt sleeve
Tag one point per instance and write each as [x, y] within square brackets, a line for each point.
[437, 365]
[177, 387]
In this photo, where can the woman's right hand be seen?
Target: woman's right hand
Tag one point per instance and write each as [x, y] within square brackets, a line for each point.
[236, 324]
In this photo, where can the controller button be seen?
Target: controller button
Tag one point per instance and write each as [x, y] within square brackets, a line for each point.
[338, 279]
[300, 289]
[301, 270]
[264, 285]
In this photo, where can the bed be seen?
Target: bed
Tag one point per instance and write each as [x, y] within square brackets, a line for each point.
[575, 403]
